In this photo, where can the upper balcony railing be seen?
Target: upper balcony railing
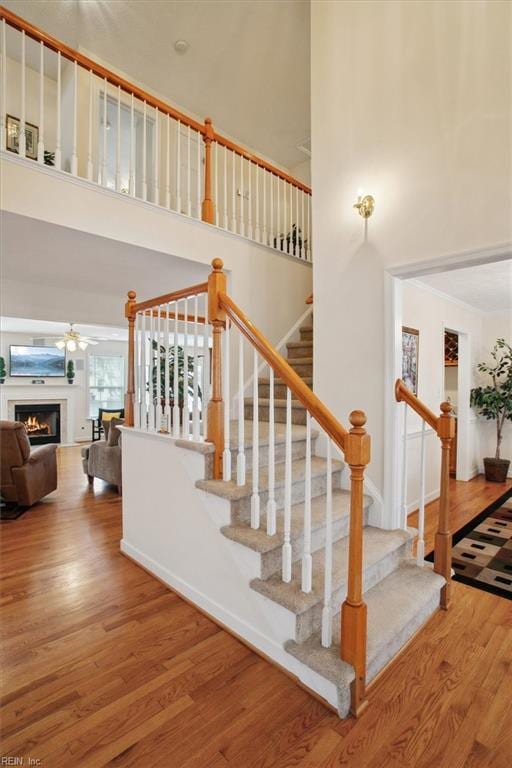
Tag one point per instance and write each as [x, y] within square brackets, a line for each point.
[62, 109]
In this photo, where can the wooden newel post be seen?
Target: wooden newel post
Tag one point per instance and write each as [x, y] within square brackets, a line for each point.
[217, 318]
[208, 212]
[129, 313]
[443, 544]
[353, 610]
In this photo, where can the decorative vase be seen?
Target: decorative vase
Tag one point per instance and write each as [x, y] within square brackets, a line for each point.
[496, 470]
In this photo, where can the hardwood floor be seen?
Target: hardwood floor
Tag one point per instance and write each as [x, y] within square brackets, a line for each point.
[102, 665]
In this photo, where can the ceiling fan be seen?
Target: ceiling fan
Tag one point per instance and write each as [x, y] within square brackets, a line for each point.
[73, 340]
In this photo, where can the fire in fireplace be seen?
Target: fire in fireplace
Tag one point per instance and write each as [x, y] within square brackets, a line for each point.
[42, 422]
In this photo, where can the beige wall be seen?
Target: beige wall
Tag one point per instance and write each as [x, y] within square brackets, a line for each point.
[411, 102]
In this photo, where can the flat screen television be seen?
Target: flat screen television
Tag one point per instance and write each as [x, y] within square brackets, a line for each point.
[36, 361]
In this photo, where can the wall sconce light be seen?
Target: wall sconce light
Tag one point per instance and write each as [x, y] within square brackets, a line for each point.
[365, 205]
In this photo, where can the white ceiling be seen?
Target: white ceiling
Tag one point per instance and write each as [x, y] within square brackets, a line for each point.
[247, 66]
[487, 287]
[48, 328]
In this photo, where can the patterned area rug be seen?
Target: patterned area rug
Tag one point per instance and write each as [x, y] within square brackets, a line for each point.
[482, 550]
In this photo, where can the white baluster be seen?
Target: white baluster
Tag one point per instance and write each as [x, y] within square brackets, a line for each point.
[249, 203]
[144, 377]
[290, 215]
[271, 212]
[136, 408]
[255, 498]
[420, 546]
[297, 231]
[168, 164]
[189, 177]
[167, 355]
[242, 223]
[226, 455]
[131, 172]
[233, 192]
[144, 153]
[104, 158]
[22, 139]
[287, 547]
[40, 142]
[307, 560]
[257, 232]
[74, 153]
[178, 167]
[151, 366]
[195, 409]
[58, 150]
[264, 184]
[206, 369]
[404, 472]
[186, 411]
[327, 609]
[308, 211]
[216, 200]
[225, 187]
[302, 242]
[198, 203]
[279, 245]
[240, 459]
[118, 141]
[175, 385]
[156, 160]
[89, 129]
[160, 383]
[3, 108]
[271, 499]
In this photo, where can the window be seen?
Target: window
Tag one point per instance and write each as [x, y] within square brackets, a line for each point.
[124, 148]
[106, 383]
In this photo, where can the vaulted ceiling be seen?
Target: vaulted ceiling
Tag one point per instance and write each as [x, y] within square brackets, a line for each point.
[247, 65]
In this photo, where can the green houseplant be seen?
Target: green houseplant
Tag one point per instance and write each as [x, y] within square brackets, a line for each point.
[494, 402]
[2, 370]
[70, 372]
[185, 383]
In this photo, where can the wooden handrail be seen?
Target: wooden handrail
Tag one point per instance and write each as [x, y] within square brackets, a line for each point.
[260, 162]
[183, 293]
[205, 129]
[284, 371]
[309, 299]
[444, 426]
[404, 395]
[84, 61]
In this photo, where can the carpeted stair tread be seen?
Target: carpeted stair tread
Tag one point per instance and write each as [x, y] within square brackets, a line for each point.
[298, 433]
[230, 490]
[258, 540]
[277, 382]
[377, 545]
[397, 607]
[278, 403]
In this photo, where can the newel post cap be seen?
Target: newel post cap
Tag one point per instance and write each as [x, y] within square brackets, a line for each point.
[446, 422]
[217, 265]
[357, 441]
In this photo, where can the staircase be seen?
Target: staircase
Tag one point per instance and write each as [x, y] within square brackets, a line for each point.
[279, 550]
[400, 595]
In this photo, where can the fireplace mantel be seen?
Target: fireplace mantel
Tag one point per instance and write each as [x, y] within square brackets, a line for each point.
[66, 395]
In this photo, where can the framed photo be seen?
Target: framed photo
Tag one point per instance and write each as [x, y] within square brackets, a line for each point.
[13, 137]
[410, 350]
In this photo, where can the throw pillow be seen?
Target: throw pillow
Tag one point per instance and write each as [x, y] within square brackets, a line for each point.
[105, 423]
[110, 416]
[114, 433]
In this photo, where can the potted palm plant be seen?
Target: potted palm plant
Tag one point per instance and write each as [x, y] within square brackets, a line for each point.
[494, 402]
[185, 379]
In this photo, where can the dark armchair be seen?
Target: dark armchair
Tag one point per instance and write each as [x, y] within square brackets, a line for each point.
[26, 474]
[97, 427]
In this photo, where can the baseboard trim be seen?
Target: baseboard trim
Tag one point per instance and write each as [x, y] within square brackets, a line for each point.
[271, 652]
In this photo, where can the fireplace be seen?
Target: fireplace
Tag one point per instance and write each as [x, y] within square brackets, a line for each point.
[41, 420]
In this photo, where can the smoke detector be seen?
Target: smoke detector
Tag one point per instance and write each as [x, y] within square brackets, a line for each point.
[181, 46]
